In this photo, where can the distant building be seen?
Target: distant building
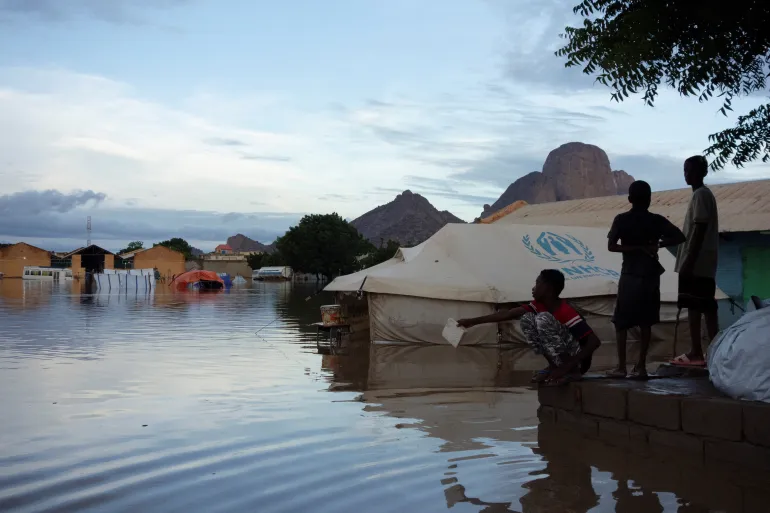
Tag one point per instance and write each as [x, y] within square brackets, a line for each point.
[90, 259]
[168, 262]
[14, 257]
[223, 249]
[744, 228]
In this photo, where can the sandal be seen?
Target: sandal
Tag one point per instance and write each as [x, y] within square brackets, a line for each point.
[684, 361]
[615, 374]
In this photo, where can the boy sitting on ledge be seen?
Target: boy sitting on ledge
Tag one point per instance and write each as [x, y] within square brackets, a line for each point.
[552, 328]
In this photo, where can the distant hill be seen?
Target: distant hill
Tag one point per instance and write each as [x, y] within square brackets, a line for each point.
[240, 242]
[409, 219]
[572, 171]
[196, 252]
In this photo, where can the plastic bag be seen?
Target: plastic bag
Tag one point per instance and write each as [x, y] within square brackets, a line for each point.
[452, 332]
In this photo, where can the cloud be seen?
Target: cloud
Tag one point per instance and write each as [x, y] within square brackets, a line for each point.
[59, 227]
[224, 141]
[38, 202]
[266, 158]
[112, 11]
[535, 29]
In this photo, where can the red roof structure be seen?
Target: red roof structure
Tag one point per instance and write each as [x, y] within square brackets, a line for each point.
[223, 247]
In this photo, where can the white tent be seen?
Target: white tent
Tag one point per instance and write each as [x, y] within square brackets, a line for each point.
[468, 270]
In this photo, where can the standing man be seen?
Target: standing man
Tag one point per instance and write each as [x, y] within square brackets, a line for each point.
[696, 261]
[638, 234]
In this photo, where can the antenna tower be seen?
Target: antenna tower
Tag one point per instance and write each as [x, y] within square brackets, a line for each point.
[88, 230]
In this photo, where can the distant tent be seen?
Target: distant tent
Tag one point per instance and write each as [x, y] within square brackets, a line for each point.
[199, 280]
[469, 270]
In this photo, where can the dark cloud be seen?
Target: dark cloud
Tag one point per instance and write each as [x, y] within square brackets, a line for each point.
[499, 169]
[224, 141]
[37, 202]
[535, 36]
[112, 11]
[59, 223]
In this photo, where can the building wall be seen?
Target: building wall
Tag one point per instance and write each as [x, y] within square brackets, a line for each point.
[14, 258]
[731, 272]
[168, 261]
[233, 268]
[109, 261]
[77, 267]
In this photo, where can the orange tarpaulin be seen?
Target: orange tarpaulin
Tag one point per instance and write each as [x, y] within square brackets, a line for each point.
[184, 279]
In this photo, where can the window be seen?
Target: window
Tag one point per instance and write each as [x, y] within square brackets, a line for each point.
[26, 272]
[35, 273]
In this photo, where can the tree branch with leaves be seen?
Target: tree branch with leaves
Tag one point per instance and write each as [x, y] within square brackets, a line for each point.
[704, 49]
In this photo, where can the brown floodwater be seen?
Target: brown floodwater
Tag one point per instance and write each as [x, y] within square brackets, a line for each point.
[185, 402]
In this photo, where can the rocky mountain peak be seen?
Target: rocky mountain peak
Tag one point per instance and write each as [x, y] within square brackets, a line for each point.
[408, 219]
[572, 171]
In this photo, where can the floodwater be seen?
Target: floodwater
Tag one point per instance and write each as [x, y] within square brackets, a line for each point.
[185, 402]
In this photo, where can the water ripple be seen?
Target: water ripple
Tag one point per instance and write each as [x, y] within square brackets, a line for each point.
[221, 403]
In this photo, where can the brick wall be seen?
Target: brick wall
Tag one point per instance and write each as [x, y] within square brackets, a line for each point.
[681, 418]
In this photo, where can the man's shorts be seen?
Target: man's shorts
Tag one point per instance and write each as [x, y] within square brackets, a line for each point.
[697, 293]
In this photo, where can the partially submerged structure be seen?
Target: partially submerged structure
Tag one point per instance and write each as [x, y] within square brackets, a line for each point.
[472, 270]
[91, 259]
[280, 273]
[199, 280]
[15, 257]
[167, 261]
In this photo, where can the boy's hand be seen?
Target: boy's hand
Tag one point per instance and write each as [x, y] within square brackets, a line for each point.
[465, 323]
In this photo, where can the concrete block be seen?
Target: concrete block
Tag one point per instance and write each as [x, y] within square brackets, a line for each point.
[604, 400]
[546, 414]
[614, 432]
[676, 445]
[756, 500]
[741, 455]
[712, 417]
[638, 437]
[585, 425]
[756, 423]
[657, 410]
[561, 398]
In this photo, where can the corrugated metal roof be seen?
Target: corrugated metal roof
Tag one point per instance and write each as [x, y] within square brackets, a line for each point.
[743, 207]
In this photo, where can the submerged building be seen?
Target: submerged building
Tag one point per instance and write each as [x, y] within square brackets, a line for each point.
[14, 258]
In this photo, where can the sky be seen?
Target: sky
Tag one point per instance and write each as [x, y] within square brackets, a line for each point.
[205, 118]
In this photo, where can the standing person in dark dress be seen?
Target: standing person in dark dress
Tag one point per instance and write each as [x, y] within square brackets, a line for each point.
[638, 234]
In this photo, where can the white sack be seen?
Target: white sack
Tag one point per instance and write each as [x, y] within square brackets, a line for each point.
[739, 359]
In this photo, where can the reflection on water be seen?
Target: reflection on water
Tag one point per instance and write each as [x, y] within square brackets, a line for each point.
[221, 402]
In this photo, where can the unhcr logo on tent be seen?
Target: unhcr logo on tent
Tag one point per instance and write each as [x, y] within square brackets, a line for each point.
[566, 249]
